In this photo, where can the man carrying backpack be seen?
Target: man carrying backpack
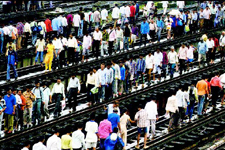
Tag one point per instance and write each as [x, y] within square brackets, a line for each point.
[193, 98]
[34, 31]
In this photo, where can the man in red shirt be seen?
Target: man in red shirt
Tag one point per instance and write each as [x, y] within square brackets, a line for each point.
[216, 86]
[132, 13]
[48, 24]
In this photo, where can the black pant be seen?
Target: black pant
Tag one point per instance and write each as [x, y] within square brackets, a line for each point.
[76, 31]
[152, 35]
[182, 65]
[20, 117]
[71, 54]
[77, 148]
[90, 96]
[55, 33]
[110, 47]
[73, 95]
[215, 93]
[206, 23]
[69, 29]
[108, 91]
[65, 32]
[145, 36]
[132, 20]
[95, 49]
[181, 113]
[194, 26]
[62, 60]
[57, 97]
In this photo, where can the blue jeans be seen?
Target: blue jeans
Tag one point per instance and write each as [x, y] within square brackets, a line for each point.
[115, 86]
[172, 66]
[102, 92]
[37, 56]
[201, 99]
[37, 110]
[125, 40]
[159, 33]
[80, 32]
[102, 147]
[190, 110]
[8, 71]
[34, 38]
[122, 21]
[1, 44]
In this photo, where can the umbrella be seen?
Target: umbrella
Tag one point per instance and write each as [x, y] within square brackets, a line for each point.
[175, 12]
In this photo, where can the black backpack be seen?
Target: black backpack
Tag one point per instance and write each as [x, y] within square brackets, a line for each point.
[191, 95]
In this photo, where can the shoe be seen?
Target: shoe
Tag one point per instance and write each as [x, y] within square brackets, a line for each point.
[7, 80]
[9, 132]
[137, 147]
[5, 131]
[16, 78]
[146, 147]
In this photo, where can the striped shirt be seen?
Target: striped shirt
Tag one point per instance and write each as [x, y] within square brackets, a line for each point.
[142, 118]
[20, 28]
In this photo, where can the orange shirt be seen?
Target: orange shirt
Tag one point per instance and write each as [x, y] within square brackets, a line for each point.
[202, 87]
[23, 102]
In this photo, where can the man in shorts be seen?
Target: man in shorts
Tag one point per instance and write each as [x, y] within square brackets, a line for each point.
[190, 55]
[141, 117]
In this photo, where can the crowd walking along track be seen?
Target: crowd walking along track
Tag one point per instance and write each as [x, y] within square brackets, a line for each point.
[139, 96]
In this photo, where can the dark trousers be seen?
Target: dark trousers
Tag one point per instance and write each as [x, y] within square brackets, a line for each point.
[69, 29]
[215, 93]
[181, 113]
[55, 33]
[90, 96]
[76, 31]
[65, 32]
[101, 146]
[77, 148]
[73, 95]
[182, 65]
[152, 35]
[108, 91]
[110, 47]
[20, 117]
[145, 36]
[206, 23]
[71, 55]
[95, 49]
[62, 60]
[132, 20]
[57, 97]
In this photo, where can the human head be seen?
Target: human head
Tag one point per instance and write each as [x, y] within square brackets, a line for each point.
[56, 131]
[37, 83]
[108, 65]
[121, 63]
[110, 27]
[42, 139]
[96, 29]
[183, 45]
[27, 144]
[115, 110]
[144, 20]
[73, 75]
[14, 91]
[9, 90]
[115, 130]
[92, 116]
[116, 104]
[71, 36]
[80, 126]
[126, 24]
[19, 92]
[172, 48]
[158, 50]
[102, 66]
[150, 53]
[58, 81]
[141, 56]
[140, 106]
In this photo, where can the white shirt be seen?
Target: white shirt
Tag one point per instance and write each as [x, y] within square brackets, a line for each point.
[151, 108]
[172, 57]
[53, 143]
[109, 75]
[210, 44]
[57, 43]
[91, 128]
[165, 3]
[222, 41]
[87, 41]
[39, 146]
[90, 79]
[97, 81]
[18, 99]
[58, 88]
[127, 11]
[64, 22]
[6, 29]
[72, 42]
[110, 109]
[180, 99]
[104, 14]
[97, 35]
[74, 83]
[76, 20]
[190, 52]
[115, 13]
[26, 28]
[119, 33]
[206, 13]
[78, 139]
[158, 57]
[43, 26]
[122, 10]
[117, 71]
[149, 60]
[149, 5]
[64, 42]
[171, 104]
[112, 35]
[180, 4]
[25, 148]
[47, 93]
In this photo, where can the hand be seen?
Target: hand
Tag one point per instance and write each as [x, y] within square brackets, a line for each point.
[50, 101]
[15, 64]
[157, 118]
[75, 50]
[89, 47]
[63, 98]
[43, 103]
[0, 112]
[35, 52]
[14, 113]
[78, 92]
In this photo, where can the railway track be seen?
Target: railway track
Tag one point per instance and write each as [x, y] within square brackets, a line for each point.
[136, 96]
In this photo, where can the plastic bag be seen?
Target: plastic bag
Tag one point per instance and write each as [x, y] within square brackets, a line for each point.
[167, 115]
[94, 90]
[63, 104]
[148, 37]
[187, 29]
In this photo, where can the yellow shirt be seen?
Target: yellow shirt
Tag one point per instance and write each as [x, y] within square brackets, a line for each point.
[66, 141]
[50, 49]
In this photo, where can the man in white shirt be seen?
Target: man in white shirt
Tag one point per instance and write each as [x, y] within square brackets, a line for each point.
[47, 97]
[111, 107]
[76, 22]
[211, 52]
[112, 38]
[115, 14]
[97, 37]
[40, 145]
[26, 147]
[64, 42]
[104, 16]
[26, 30]
[64, 24]
[206, 15]
[58, 47]
[119, 38]
[116, 77]
[91, 128]
[165, 5]
[102, 82]
[72, 50]
[87, 42]
[54, 142]
[109, 80]
[149, 65]
[181, 103]
[194, 21]
[180, 5]
[151, 108]
[158, 57]
[78, 138]
[58, 94]
[173, 60]
[97, 17]
[190, 54]
[127, 11]
[73, 89]
[122, 15]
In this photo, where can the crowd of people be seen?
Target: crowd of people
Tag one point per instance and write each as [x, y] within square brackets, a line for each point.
[25, 108]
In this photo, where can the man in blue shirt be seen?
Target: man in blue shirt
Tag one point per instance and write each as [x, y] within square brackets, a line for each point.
[12, 60]
[122, 83]
[1, 40]
[140, 70]
[160, 26]
[202, 50]
[10, 101]
[2, 109]
[144, 30]
[137, 9]
[55, 26]
[114, 118]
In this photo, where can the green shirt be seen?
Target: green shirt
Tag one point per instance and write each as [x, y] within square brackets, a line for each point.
[105, 36]
[66, 142]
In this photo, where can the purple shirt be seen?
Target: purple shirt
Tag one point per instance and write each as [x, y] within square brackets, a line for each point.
[104, 129]
[165, 58]
[135, 31]
[69, 18]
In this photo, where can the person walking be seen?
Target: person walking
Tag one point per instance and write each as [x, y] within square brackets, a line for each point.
[40, 46]
[149, 65]
[12, 60]
[97, 41]
[109, 80]
[104, 45]
[182, 55]
[102, 82]
[58, 94]
[49, 56]
[78, 138]
[87, 43]
[66, 139]
[72, 50]
[173, 61]
[122, 83]
[127, 36]
[90, 84]
[112, 140]
[114, 118]
[54, 142]
[158, 58]
[202, 51]
[140, 70]
[112, 38]
[144, 31]
[116, 77]
[40, 145]
[47, 97]
[160, 26]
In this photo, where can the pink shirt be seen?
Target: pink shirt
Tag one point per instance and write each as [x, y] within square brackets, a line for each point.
[104, 129]
[182, 54]
[215, 81]
[112, 35]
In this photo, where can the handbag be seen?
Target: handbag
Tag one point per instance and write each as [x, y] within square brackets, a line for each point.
[148, 37]
[94, 90]
[187, 29]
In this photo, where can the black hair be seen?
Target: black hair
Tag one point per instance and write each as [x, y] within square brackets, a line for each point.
[92, 116]
[140, 106]
[41, 138]
[79, 125]
[115, 130]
